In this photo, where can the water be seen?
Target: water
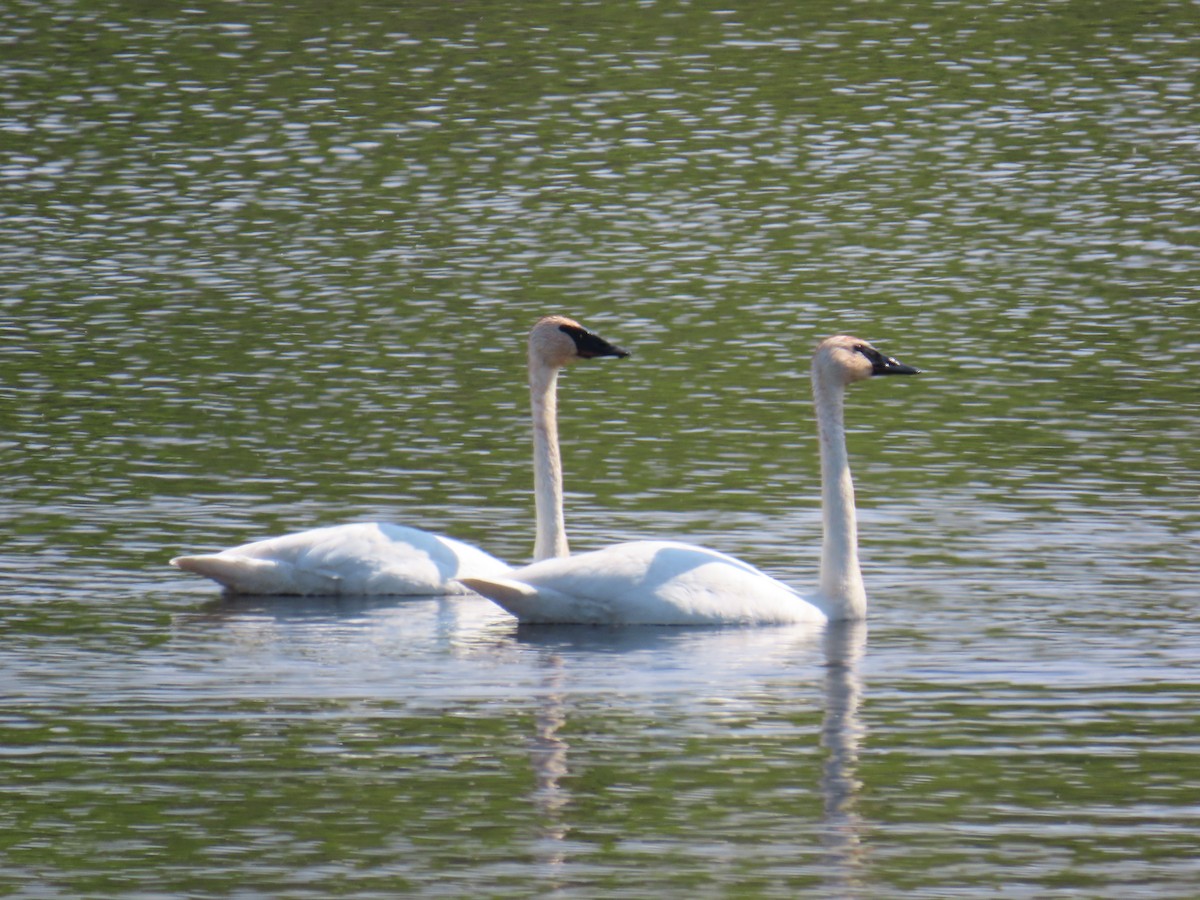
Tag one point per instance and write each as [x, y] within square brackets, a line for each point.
[265, 269]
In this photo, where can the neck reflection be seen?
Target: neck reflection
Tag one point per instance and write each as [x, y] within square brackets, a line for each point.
[548, 756]
[841, 735]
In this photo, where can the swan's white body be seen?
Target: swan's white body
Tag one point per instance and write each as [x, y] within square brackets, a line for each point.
[646, 583]
[368, 558]
[355, 559]
[668, 583]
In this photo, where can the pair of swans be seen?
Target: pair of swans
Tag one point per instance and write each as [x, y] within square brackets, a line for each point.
[631, 583]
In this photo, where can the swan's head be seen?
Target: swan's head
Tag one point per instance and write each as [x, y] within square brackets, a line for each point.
[843, 359]
[556, 341]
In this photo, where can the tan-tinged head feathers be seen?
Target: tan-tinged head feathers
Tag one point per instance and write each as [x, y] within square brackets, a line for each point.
[558, 341]
[844, 359]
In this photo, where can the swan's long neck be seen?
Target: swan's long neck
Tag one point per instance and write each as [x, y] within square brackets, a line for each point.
[547, 463]
[841, 591]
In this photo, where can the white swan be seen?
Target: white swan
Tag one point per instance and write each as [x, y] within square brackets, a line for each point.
[669, 583]
[380, 558]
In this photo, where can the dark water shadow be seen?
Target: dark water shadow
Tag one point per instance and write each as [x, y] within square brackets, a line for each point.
[310, 606]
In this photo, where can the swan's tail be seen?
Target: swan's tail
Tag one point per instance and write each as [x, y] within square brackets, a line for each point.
[504, 591]
[242, 574]
[528, 603]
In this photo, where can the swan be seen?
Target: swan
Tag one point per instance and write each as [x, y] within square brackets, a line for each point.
[381, 558]
[672, 583]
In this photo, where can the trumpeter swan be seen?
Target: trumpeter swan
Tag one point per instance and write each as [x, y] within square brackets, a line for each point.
[670, 583]
[380, 558]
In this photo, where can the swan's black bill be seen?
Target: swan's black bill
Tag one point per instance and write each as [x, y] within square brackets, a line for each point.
[890, 366]
[590, 345]
[885, 365]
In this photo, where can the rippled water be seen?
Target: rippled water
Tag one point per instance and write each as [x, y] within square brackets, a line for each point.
[264, 268]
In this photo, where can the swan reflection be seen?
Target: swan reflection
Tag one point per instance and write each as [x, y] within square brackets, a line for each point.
[548, 754]
[841, 735]
[746, 656]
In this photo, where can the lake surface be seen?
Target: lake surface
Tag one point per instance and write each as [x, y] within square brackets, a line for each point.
[267, 266]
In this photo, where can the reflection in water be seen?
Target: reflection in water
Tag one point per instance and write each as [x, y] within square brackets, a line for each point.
[723, 651]
[841, 733]
[549, 756]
